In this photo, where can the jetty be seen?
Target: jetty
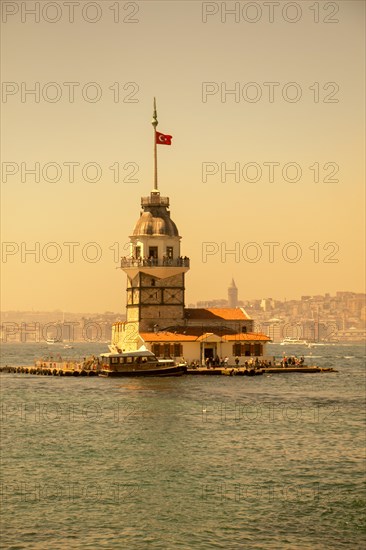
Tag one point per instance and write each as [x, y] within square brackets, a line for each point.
[87, 367]
[90, 368]
[237, 371]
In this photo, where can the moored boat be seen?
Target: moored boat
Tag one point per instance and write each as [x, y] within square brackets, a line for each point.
[138, 363]
[51, 341]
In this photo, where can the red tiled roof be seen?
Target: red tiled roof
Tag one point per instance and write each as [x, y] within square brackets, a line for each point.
[226, 313]
[167, 337]
[179, 337]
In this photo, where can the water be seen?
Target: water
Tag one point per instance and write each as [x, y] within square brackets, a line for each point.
[268, 462]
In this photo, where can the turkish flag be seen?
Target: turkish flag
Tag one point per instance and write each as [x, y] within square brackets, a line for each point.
[163, 139]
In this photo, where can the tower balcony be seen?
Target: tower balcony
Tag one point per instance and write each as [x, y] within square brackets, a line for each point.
[161, 268]
[155, 200]
[155, 262]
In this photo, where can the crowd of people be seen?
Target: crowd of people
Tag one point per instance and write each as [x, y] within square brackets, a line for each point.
[252, 363]
[292, 361]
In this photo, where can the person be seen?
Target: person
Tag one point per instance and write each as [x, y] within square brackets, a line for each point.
[226, 361]
[236, 361]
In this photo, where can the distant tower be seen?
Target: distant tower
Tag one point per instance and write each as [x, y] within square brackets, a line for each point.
[232, 292]
[155, 268]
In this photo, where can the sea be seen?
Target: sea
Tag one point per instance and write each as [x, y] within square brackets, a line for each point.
[194, 462]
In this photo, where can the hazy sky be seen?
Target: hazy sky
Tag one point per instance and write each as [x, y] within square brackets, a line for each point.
[292, 129]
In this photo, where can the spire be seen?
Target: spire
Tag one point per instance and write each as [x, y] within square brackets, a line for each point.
[232, 294]
[154, 122]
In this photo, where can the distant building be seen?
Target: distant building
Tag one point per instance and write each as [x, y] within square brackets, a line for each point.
[232, 292]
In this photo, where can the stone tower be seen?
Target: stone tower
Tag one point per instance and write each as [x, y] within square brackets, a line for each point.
[155, 268]
[232, 294]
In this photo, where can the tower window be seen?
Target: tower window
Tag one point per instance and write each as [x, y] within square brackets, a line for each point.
[138, 252]
[153, 252]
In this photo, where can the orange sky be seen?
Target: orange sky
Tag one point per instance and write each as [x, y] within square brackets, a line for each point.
[307, 124]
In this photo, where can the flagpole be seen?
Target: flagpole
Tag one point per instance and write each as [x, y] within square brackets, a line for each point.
[155, 123]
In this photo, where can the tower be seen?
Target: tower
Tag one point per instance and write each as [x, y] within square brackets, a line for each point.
[155, 268]
[232, 294]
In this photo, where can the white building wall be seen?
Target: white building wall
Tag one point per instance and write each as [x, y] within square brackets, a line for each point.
[192, 352]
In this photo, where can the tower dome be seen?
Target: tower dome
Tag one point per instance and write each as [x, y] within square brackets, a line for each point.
[155, 221]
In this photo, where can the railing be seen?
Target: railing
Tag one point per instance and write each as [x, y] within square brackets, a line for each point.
[155, 200]
[155, 262]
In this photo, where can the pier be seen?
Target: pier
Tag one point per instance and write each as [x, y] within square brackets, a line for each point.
[78, 369]
[237, 371]
[55, 368]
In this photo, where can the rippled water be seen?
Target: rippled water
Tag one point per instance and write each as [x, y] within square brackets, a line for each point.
[267, 462]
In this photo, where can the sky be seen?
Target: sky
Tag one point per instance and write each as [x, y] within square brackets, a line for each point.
[265, 174]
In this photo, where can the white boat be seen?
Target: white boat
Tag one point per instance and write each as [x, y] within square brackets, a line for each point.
[293, 341]
[138, 363]
[52, 341]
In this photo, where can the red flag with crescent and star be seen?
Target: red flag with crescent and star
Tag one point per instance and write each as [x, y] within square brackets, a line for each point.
[163, 139]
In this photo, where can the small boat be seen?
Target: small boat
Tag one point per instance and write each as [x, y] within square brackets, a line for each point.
[138, 363]
[52, 341]
[293, 341]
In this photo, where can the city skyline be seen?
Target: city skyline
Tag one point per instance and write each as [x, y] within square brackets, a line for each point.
[241, 301]
[339, 318]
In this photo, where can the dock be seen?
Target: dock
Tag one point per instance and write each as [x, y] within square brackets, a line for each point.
[238, 371]
[71, 370]
[304, 369]
[77, 369]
